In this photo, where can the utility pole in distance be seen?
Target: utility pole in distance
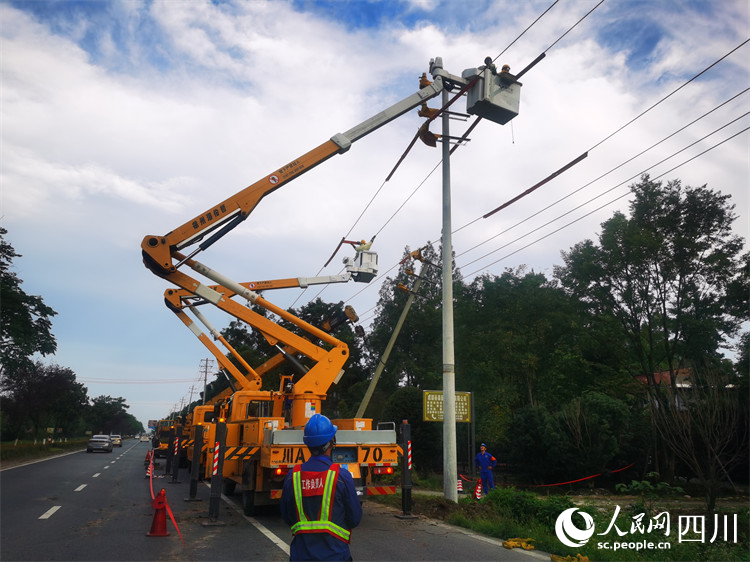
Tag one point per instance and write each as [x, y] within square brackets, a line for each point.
[205, 364]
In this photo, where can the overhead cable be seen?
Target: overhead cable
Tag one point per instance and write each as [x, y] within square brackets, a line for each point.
[669, 95]
[527, 28]
[641, 153]
[605, 204]
[91, 380]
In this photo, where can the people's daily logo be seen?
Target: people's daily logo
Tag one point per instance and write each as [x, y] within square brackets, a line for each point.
[574, 528]
[569, 533]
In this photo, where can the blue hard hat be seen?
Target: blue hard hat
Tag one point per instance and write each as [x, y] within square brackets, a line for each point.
[318, 431]
[483, 445]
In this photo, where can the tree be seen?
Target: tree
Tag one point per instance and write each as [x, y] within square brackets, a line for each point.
[672, 276]
[108, 415]
[406, 404]
[535, 449]
[521, 340]
[529, 341]
[595, 428]
[342, 398]
[45, 396]
[25, 325]
[415, 359]
[704, 425]
[668, 274]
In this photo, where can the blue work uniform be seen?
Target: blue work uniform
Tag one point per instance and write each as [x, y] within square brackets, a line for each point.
[485, 463]
[318, 541]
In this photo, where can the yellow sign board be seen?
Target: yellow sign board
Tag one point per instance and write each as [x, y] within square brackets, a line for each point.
[432, 406]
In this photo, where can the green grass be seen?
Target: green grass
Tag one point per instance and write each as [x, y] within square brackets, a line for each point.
[509, 513]
[28, 450]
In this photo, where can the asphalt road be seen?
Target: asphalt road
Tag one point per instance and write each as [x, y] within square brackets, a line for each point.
[98, 507]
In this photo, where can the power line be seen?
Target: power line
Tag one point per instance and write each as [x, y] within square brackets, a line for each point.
[596, 197]
[132, 381]
[574, 26]
[532, 24]
[600, 207]
[620, 129]
[641, 153]
[612, 134]
[669, 95]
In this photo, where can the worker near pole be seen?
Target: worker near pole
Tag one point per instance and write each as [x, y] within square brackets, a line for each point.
[319, 501]
[485, 463]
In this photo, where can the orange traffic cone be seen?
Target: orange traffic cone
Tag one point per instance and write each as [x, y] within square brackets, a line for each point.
[460, 486]
[478, 491]
[148, 457]
[149, 471]
[159, 525]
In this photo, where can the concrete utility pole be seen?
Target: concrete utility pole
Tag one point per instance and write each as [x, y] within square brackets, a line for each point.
[450, 468]
[388, 348]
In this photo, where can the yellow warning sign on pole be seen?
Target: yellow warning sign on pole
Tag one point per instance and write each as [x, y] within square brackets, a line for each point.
[432, 406]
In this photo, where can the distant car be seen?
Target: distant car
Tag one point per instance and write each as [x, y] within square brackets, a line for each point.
[99, 443]
[145, 438]
[116, 440]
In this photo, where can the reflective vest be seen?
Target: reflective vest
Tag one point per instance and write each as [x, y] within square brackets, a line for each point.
[323, 523]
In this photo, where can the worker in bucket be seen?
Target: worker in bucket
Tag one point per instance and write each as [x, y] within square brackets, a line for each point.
[319, 501]
[485, 463]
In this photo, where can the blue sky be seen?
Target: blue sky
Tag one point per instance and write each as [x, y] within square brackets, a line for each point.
[127, 118]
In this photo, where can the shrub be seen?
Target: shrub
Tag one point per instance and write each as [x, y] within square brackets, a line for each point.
[527, 507]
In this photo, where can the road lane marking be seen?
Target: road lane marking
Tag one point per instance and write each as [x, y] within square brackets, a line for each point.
[96, 475]
[81, 487]
[257, 524]
[106, 467]
[50, 512]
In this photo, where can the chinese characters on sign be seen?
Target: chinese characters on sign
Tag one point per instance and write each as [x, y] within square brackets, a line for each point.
[689, 528]
[432, 406]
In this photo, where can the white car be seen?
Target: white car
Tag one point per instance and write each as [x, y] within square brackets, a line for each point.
[145, 438]
[99, 443]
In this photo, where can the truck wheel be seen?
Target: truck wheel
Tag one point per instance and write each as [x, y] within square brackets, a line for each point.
[228, 487]
[248, 502]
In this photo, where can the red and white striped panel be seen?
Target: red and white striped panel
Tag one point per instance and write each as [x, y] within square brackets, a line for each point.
[216, 459]
[380, 490]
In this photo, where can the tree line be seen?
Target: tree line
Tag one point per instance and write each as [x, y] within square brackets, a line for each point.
[40, 400]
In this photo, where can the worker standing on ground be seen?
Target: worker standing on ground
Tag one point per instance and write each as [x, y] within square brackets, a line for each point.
[485, 463]
[319, 500]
